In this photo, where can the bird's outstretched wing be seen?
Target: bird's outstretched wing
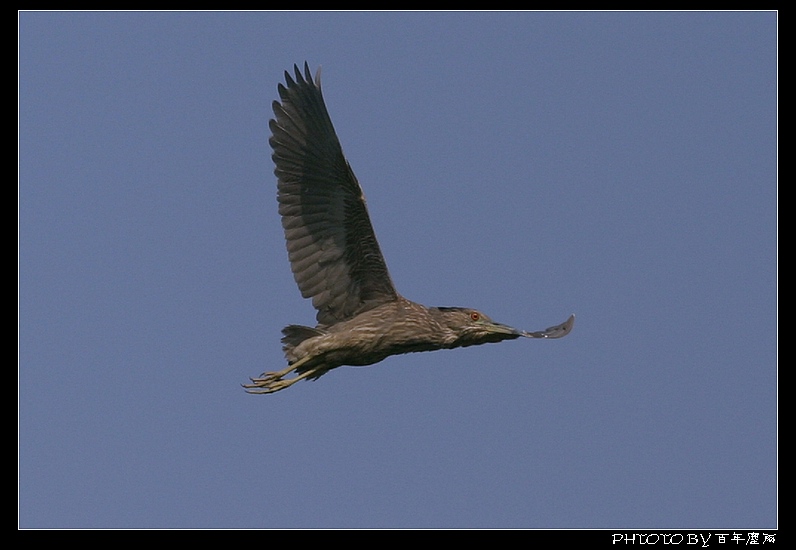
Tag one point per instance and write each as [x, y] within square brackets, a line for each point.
[331, 245]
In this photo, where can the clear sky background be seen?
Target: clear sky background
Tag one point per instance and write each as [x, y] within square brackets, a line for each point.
[619, 166]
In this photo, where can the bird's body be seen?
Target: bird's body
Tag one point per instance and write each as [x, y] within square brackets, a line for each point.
[337, 262]
[393, 328]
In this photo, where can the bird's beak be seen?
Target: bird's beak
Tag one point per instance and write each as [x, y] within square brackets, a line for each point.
[499, 328]
[552, 332]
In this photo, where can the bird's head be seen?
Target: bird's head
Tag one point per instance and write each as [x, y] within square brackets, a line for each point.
[471, 327]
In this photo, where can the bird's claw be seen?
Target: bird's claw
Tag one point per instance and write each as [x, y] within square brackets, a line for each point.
[268, 382]
[272, 387]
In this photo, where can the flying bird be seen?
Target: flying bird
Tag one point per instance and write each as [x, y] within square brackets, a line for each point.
[336, 260]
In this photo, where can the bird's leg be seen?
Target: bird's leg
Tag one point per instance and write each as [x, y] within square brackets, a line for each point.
[270, 382]
[271, 385]
[275, 375]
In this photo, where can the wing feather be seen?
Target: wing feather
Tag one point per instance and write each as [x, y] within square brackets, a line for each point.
[332, 248]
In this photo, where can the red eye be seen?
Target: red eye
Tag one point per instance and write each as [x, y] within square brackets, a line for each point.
[475, 316]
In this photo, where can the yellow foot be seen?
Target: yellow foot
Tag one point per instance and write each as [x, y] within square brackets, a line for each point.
[270, 382]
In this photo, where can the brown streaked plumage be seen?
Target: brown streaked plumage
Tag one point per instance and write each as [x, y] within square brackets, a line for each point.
[337, 262]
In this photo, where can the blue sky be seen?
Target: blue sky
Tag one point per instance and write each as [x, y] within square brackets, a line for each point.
[620, 166]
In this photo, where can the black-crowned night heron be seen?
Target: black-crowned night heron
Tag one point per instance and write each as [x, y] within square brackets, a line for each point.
[337, 262]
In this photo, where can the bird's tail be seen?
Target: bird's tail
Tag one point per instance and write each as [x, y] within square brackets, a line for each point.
[293, 335]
